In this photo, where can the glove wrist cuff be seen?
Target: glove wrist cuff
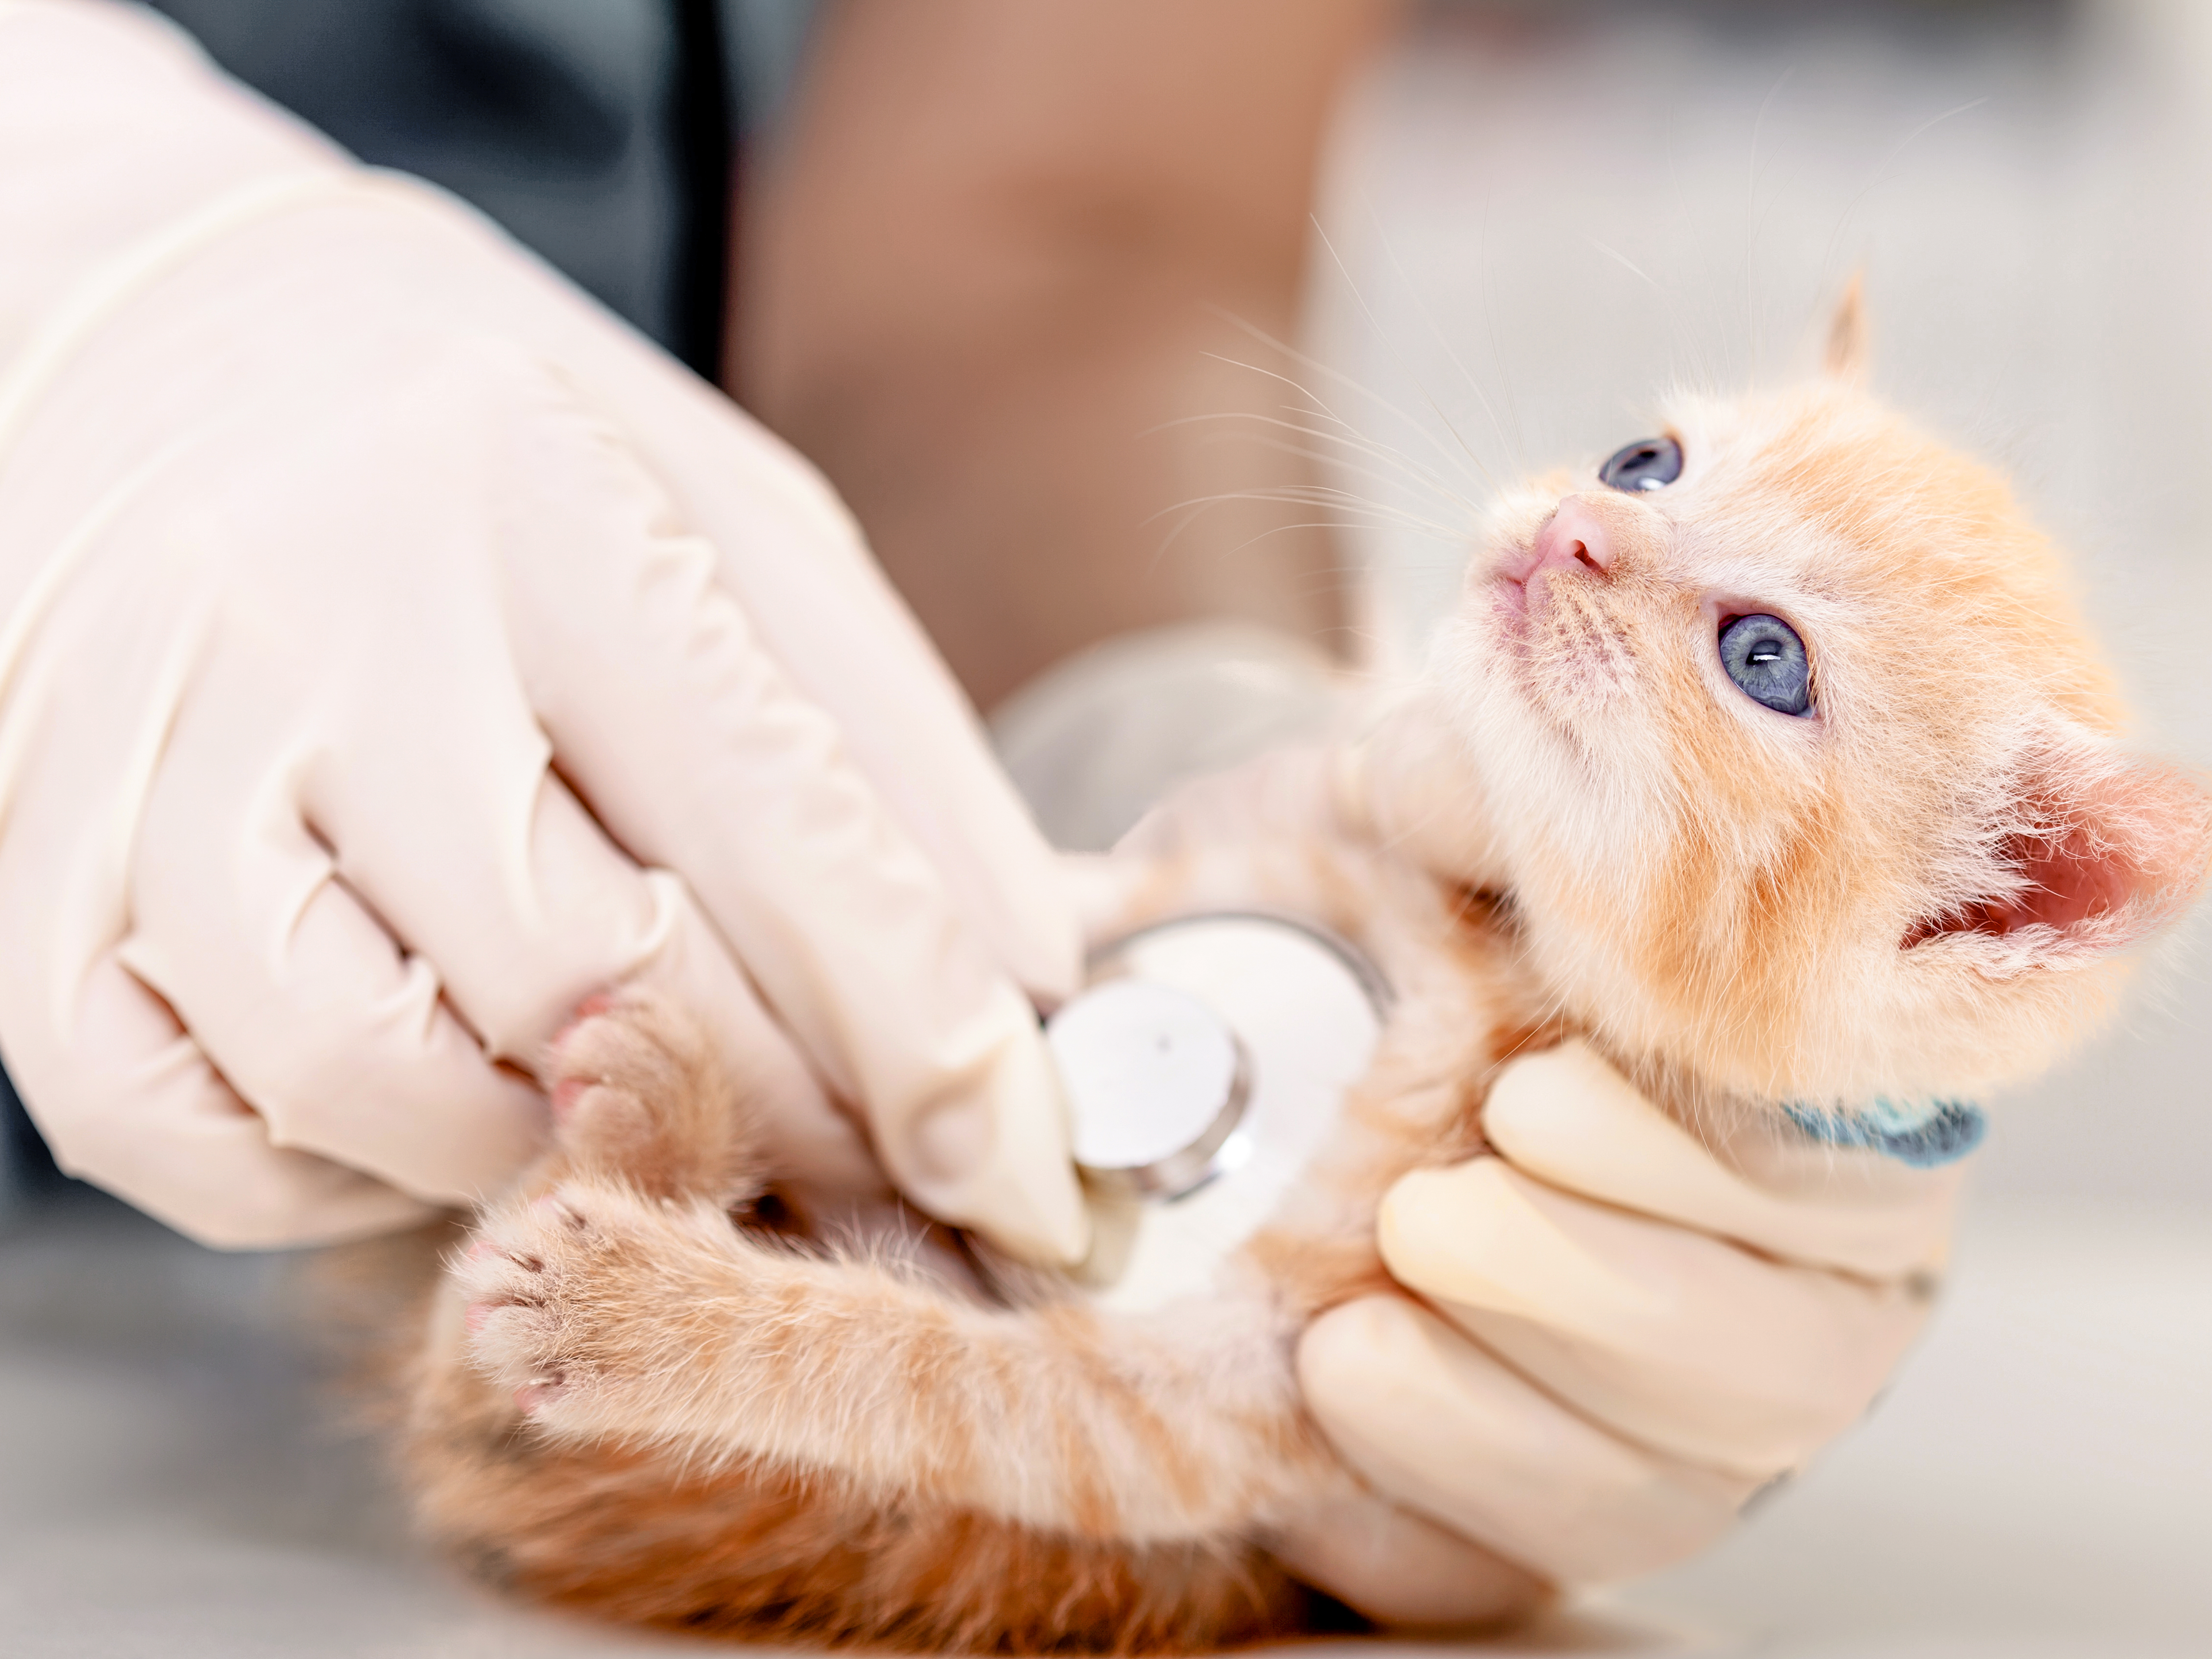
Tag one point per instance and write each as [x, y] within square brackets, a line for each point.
[119, 134]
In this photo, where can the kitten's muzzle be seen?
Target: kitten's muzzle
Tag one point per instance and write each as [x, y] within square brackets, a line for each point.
[1573, 541]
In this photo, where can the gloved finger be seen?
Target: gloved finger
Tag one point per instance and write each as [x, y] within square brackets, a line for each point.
[784, 545]
[786, 549]
[1101, 889]
[344, 1045]
[1682, 1342]
[1567, 1116]
[415, 775]
[697, 753]
[1397, 1568]
[518, 896]
[347, 1046]
[1440, 1426]
[240, 923]
[122, 1094]
[126, 1099]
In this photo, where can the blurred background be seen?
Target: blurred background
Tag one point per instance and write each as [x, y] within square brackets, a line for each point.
[1533, 217]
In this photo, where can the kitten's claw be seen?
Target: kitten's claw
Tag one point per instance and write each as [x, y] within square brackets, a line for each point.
[558, 1291]
[537, 1393]
[540, 1298]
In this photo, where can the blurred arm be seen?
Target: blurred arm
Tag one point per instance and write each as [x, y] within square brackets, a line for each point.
[992, 262]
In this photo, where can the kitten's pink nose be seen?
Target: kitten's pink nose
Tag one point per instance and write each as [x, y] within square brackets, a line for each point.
[1571, 537]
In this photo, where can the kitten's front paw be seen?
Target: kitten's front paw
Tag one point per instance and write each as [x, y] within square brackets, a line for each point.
[550, 1286]
[640, 1092]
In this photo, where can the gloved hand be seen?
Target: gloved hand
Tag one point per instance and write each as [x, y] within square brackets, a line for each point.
[1660, 1329]
[393, 649]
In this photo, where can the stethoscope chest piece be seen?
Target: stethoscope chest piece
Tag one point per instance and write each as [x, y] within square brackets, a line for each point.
[1204, 1066]
[1156, 1084]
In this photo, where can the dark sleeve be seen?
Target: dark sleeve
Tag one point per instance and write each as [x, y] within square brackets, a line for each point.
[598, 133]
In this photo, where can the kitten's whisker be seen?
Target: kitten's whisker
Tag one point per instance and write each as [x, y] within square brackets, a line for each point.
[1625, 262]
[1354, 437]
[1337, 491]
[1876, 178]
[1475, 385]
[1328, 371]
[1753, 218]
[1360, 300]
[1190, 512]
[1340, 377]
[1315, 495]
[1318, 495]
[1311, 524]
[1199, 507]
[1392, 843]
[1490, 330]
[1350, 436]
[1359, 512]
[1351, 439]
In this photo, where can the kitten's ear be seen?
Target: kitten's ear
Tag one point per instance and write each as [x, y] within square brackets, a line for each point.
[1845, 358]
[2101, 849]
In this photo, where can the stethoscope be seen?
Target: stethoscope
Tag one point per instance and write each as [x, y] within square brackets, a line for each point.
[1205, 1064]
[1207, 1060]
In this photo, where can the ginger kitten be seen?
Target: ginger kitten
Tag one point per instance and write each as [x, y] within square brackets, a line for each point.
[1771, 759]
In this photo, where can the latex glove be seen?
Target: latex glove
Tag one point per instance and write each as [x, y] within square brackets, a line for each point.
[1623, 1335]
[396, 649]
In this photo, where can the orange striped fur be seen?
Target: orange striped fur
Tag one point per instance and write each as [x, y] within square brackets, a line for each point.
[655, 1389]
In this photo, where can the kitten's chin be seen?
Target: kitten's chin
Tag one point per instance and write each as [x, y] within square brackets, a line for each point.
[1414, 785]
[1484, 639]
[1505, 598]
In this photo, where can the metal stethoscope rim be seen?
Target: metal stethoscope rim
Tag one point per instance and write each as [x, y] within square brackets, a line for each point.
[1220, 1146]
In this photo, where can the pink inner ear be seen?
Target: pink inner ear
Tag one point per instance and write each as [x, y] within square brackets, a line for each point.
[2069, 880]
[2126, 847]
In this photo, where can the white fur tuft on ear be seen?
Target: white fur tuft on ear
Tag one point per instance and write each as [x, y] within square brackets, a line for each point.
[1845, 357]
[2096, 850]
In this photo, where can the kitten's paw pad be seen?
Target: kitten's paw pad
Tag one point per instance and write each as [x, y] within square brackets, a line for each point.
[638, 1091]
[542, 1284]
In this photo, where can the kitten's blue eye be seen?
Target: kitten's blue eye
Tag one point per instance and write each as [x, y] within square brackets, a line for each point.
[1764, 655]
[1648, 464]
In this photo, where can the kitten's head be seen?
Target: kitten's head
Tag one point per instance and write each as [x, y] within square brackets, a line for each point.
[1806, 770]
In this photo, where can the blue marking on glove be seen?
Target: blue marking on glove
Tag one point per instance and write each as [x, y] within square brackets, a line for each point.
[1926, 1137]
